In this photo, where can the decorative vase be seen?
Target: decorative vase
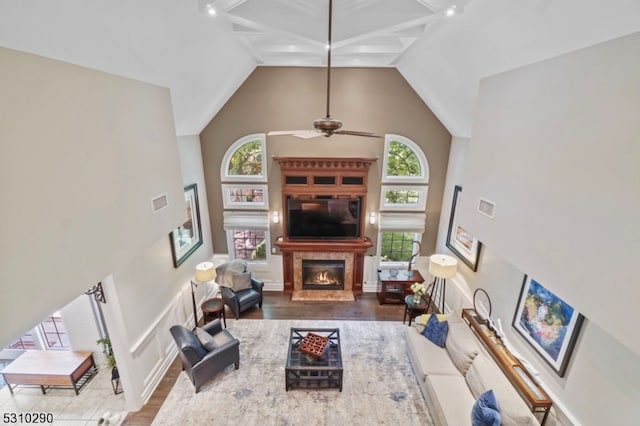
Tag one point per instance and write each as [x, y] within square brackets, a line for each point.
[416, 299]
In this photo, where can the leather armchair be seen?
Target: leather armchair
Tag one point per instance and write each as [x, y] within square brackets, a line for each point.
[202, 362]
[240, 301]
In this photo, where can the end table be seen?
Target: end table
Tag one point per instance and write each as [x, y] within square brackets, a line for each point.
[213, 308]
[414, 309]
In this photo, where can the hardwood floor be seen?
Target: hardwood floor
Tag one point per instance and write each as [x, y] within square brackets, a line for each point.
[277, 305]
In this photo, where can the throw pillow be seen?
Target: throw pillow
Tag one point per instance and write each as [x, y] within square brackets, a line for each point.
[422, 319]
[436, 331]
[485, 411]
[206, 339]
[241, 281]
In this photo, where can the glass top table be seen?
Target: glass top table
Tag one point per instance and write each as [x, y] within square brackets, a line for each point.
[310, 372]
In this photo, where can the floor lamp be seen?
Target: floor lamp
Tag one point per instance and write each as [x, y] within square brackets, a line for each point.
[205, 272]
[442, 266]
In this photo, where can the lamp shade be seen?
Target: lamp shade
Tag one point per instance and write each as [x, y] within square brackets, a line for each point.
[443, 266]
[205, 272]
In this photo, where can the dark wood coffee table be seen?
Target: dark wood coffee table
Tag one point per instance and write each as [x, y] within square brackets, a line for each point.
[306, 371]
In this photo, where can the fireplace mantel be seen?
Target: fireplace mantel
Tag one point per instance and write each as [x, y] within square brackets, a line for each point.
[324, 177]
[293, 251]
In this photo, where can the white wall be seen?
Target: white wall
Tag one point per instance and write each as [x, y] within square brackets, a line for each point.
[81, 155]
[148, 295]
[602, 383]
[555, 146]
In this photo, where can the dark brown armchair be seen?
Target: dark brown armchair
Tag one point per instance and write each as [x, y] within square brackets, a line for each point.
[206, 351]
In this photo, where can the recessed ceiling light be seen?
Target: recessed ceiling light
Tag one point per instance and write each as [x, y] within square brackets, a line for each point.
[211, 10]
[451, 11]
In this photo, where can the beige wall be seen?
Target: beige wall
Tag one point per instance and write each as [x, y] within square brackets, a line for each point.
[82, 153]
[376, 100]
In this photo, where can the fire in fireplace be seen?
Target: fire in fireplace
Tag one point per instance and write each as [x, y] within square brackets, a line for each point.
[322, 274]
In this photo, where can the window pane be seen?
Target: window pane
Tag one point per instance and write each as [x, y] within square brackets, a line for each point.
[249, 244]
[247, 160]
[246, 195]
[401, 197]
[396, 246]
[54, 334]
[402, 161]
[24, 342]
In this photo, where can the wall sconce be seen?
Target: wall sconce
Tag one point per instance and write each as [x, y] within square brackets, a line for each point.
[275, 216]
[372, 218]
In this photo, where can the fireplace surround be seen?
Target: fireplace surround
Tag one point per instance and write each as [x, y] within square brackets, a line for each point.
[324, 179]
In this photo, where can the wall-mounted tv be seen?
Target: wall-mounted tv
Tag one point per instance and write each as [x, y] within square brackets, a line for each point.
[319, 218]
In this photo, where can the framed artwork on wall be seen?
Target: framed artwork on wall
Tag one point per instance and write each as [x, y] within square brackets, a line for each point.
[549, 324]
[186, 238]
[459, 241]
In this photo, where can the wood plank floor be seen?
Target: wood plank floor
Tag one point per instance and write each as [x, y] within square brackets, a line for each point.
[277, 305]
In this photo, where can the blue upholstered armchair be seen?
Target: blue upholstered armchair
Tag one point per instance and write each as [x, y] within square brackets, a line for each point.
[240, 291]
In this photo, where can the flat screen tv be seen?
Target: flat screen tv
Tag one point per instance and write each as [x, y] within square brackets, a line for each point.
[331, 219]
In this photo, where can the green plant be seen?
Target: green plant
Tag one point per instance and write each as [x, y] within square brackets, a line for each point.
[107, 350]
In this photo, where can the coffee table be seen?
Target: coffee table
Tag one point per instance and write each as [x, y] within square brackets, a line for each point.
[51, 369]
[310, 372]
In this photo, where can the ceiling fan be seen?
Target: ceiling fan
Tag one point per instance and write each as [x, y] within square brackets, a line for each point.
[328, 125]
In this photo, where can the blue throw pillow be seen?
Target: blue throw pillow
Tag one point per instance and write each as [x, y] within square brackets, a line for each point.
[436, 331]
[485, 411]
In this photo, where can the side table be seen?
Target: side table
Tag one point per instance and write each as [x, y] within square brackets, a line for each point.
[393, 288]
[213, 308]
[413, 309]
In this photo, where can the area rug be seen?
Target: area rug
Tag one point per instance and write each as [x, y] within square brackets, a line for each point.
[379, 386]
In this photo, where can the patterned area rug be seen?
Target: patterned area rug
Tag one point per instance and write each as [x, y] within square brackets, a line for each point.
[379, 386]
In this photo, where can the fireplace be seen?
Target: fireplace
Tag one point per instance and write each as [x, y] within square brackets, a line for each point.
[323, 274]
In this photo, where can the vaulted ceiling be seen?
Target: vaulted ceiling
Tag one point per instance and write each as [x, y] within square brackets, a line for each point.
[203, 59]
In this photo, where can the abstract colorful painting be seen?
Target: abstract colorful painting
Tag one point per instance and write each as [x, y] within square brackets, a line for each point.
[548, 323]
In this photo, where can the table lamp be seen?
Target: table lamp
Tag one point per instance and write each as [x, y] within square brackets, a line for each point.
[442, 266]
[205, 272]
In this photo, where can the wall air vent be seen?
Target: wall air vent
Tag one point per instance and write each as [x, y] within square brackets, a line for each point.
[159, 203]
[487, 208]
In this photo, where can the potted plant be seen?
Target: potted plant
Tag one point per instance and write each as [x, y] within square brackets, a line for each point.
[107, 350]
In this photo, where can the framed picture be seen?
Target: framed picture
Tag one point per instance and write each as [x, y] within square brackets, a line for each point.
[186, 238]
[548, 323]
[459, 241]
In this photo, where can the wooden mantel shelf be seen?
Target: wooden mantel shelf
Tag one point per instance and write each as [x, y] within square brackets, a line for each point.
[354, 246]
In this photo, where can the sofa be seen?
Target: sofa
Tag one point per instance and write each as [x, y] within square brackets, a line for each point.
[240, 290]
[454, 377]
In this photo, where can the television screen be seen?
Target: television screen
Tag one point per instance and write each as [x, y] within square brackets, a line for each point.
[335, 218]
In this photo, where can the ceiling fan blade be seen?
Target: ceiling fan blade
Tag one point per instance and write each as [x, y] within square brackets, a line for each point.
[356, 133]
[302, 134]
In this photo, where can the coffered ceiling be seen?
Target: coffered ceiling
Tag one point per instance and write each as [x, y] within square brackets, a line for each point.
[203, 59]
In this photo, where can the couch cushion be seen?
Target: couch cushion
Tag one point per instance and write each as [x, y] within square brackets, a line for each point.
[483, 375]
[436, 331]
[428, 358]
[485, 411]
[241, 281]
[449, 400]
[225, 272]
[461, 345]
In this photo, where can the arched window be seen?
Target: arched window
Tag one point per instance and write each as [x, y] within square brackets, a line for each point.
[244, 160]
[403, 200]
[245, 199]
[404, 161]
